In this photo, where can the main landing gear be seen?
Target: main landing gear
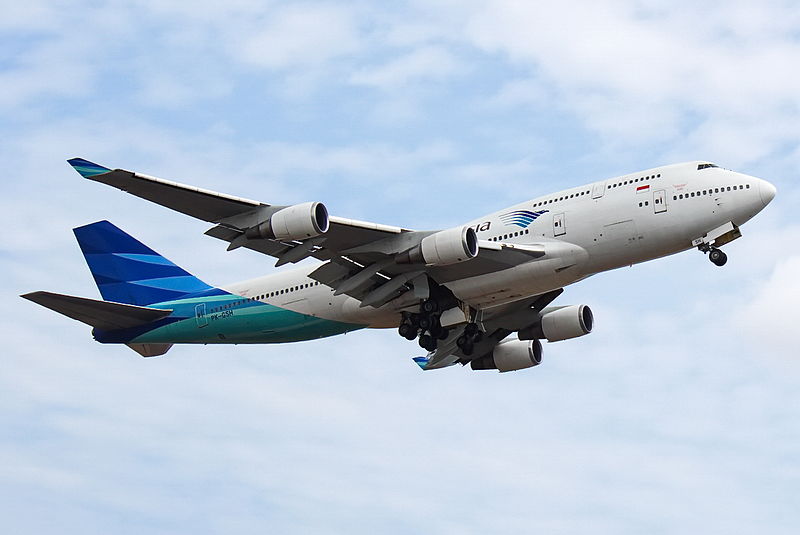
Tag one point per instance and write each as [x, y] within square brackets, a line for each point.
[717, 257]
[472, 335]
[424, 324]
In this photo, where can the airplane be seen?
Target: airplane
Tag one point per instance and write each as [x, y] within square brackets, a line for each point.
[460, 292]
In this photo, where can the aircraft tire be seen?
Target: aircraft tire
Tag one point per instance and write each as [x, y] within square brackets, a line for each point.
[427, 342]
[717, 257]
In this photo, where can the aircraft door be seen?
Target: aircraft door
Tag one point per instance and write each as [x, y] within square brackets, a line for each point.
[660, 201]
[559, 222]
[598, 190]
[200, 315]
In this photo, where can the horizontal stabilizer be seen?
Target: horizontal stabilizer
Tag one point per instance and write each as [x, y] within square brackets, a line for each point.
[104, 315]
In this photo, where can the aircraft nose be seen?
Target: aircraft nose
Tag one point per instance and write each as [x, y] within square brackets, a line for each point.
[766, 191]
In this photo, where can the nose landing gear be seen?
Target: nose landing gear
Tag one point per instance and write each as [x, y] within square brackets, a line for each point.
[717, 257]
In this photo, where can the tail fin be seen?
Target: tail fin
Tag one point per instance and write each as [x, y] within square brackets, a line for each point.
[127, 271]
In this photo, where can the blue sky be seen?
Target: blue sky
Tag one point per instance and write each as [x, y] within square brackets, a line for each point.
[678, 414]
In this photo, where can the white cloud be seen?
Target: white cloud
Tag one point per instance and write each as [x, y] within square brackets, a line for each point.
[770, 318]
[421, 64]
[299, 35]
[636, 74]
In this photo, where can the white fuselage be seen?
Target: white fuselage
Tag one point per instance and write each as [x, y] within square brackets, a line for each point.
[584, 230]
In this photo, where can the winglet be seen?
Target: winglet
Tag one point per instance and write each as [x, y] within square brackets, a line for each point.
[422, 362]
[86, 168]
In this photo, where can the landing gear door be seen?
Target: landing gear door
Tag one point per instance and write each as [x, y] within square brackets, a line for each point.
[659, 201]
[559, 228]
[200, 315]
[598, 190]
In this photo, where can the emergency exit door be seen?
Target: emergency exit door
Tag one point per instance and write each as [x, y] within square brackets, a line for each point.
[200, 315]
[660, 201]
[559, 222]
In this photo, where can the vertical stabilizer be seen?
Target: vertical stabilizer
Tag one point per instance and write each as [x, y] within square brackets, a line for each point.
[127, 271]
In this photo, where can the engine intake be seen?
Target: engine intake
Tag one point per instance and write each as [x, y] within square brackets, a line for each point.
[297, 222]
[511, 356]
[443, 248]
[561, 323]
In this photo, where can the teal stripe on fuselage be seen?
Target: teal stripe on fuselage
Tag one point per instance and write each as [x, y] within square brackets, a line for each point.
[230, 319]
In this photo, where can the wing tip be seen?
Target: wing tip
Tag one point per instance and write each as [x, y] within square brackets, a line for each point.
[422, 362]
[86, 168]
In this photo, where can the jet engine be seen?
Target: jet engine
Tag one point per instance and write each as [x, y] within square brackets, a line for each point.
[297, 222]
[560, 323]
[511, 356]
[443, 248]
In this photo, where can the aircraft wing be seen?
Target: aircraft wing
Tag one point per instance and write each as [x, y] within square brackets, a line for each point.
[360, 257]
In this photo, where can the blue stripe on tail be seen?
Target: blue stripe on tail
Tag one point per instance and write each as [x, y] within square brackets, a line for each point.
[127, 271]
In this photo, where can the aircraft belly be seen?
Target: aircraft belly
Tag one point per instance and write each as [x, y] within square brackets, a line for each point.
[531, 278]
[256, 323]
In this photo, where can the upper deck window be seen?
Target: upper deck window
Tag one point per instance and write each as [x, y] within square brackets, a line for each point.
[706, 166]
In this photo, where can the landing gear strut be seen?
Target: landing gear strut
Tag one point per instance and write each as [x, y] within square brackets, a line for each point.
[472, 335]
[717, 257]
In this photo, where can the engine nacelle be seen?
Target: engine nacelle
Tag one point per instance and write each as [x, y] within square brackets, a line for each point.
[511, 356]
[561, 323]
[443, 248]
[297, 222]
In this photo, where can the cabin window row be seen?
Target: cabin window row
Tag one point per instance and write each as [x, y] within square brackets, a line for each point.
[265, 296]
[633, 181]
[511, 235]
[285, 291]
[710, 191]
[565, 197]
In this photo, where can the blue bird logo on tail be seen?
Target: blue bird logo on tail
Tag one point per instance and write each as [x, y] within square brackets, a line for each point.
[521, 218]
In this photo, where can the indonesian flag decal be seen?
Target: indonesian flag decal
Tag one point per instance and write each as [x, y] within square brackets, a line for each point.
[641, 189]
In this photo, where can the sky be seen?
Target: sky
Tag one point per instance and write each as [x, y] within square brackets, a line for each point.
[679, 413]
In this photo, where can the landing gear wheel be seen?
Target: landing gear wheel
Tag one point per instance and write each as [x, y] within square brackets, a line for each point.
[425, 322]
[471, 329]
[407, 331]
[443, 333]
[430, 306]
[717, 257]
[427, 342]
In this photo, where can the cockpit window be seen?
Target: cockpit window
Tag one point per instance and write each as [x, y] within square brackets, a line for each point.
[706, 166]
